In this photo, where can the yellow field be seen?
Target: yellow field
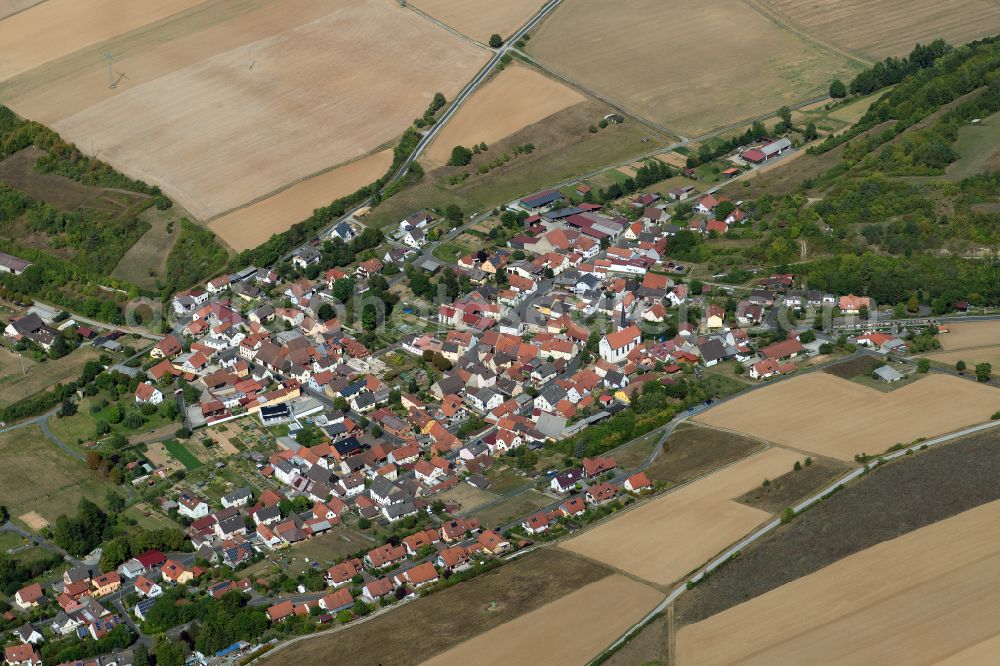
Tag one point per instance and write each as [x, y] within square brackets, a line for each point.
[250, 226]
[971, 357]
[570, 630]
[512, 100]
[481, 18]
[691, 66]
[317, 95]
[669, 537]
[8, 7]
[839, 418]
[889, 27]
[929, 597]
[58, 27]
[970, 334]
[226, 103]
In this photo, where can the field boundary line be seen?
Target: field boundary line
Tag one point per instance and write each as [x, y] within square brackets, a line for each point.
[774, 523]
[594, 93]
[455, 31]
[785, 23]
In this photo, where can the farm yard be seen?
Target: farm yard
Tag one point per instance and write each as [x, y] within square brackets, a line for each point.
[40, 481]
[874, 30]
[664, 539]
[431, 625]
[618, 51]
[480, 18]
[834, 417]
[252, 225]
[595, 615]
[515, 98]
[941, 606]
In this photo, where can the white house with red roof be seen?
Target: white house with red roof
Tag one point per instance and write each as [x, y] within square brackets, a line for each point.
[147, 394]
[615, 347]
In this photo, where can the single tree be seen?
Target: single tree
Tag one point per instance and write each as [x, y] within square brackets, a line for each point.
[923, 366]
[838, 89]
[960, 366]
[460, 156]
[496, 41]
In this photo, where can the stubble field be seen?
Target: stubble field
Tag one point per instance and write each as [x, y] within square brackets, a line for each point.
[889, 27]
[594, 616]
[512, 100]
[970, 334]
[9, 7]
[931, 596]
[252, 225]
[434, 624]
[56, 28]
[481, 18]
[834, 417]
[685, 78]
[667, 538]
[239, 125]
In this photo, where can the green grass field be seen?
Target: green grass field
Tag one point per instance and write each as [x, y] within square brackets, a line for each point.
[15, 385]
[10, 540]
[38, 476]
[976, 144]
[179, 451]
[449, 253]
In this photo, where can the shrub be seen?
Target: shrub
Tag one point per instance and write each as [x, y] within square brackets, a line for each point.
[460, 156]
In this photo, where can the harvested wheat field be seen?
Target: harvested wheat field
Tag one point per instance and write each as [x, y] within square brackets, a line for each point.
[481, 18]
[667, 538]
[56, 28]
[970, 334]
[835, 417]
[931, 596]
[515, 98]
[682, 78]
[594, 616]
[8, 7]
[250, 226]
[889, 27]
[241, 123]
[971, 356]
[68, 85]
